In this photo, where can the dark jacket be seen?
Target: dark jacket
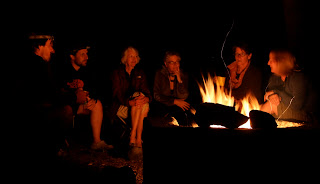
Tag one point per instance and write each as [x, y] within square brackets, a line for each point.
[123, 86]
[69, 77]
[39, 84]
[296, 85]
[161, 88]
[251, 83]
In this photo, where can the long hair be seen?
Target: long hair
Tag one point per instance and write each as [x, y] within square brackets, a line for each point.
[286, 61]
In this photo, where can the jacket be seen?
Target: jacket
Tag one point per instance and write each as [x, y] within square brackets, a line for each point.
[161, 88]
[123, 86]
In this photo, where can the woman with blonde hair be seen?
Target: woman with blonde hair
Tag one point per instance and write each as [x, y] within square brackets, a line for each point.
[288, 94]
[130, 94]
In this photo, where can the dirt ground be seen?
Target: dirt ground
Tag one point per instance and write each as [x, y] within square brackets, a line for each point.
[109, 165]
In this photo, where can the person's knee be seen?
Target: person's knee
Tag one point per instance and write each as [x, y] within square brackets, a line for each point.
[98, 107]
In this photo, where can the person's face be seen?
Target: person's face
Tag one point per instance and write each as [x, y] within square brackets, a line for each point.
[273, 64]
[47, 50]
[132, 58]
[81, 57]
[242, 58]
[173, 64]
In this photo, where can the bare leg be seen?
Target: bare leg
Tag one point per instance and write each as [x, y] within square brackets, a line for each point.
[143, 114]
[96, 117]
[135, 113]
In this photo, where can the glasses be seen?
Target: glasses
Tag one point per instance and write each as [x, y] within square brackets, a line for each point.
[240, 55]
[173, 62]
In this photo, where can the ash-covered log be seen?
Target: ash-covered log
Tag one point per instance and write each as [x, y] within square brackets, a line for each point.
[260, 119]
[210, 113]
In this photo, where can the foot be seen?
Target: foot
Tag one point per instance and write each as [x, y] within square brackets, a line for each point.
[139, 143]
[101, 146]
[132, 141]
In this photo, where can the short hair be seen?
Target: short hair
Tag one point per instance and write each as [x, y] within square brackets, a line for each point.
[242, 45]
[75, 50]
[125, 54]
[171, 53]
[285, 59]
[36, 40]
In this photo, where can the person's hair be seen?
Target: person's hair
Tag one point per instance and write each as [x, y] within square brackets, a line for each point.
[125, 54]
[171, 53]
[242, 45]
[285, 59]
[76, 49]
[36, 40]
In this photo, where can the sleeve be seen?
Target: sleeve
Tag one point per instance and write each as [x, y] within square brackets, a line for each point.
[144, 86]
[117, 93]
[257, 86]
[66, 95]
[183, 91]
[158, 90]
[273, 84]
[299, 91]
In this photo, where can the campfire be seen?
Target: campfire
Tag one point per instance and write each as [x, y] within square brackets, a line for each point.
[214, 92]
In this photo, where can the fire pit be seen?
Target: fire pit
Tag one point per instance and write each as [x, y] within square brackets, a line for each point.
[206, 154]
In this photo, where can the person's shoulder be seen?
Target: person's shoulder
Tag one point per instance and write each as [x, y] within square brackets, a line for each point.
[298, 75]
[254, 71]
[159, 70]
[274, 78]
[118, 68]
[254, 68]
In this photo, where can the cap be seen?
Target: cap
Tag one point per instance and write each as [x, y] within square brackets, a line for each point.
[39, 37]
[75, 46]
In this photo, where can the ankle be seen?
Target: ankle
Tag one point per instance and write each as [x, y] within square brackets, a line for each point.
[96, 141]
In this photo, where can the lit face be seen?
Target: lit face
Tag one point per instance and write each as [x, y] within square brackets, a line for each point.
[132, 58]
[81, 57]
[46, 50]
[273, 64]
[241, 57]
[173, 64]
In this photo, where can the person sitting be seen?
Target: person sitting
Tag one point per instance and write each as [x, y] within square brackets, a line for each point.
[75, 81]
[39, 106]
[171, 89]
[245, 78]
[289, 94]
[130, 94]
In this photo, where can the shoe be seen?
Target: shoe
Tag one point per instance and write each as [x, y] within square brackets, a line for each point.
[101, 146]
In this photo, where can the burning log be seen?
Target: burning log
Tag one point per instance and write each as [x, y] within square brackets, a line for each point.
[212, 113]
[260, 119]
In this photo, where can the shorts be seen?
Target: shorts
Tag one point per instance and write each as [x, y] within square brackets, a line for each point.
[123, 110]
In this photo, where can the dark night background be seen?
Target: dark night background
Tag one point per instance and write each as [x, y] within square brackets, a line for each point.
[195, 29]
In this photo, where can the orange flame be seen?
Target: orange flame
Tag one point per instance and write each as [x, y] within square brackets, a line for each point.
[214, 92]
